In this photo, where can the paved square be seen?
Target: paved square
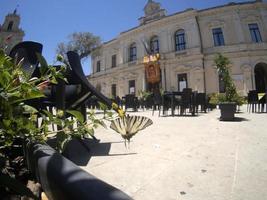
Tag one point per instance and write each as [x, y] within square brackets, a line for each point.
[196, 158]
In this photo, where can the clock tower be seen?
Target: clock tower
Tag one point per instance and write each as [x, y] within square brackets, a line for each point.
[10, 32]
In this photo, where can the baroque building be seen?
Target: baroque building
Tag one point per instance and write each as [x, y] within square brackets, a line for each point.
[10, 32]
[187, 43]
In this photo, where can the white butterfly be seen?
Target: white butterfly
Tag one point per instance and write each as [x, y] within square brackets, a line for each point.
[128, 126]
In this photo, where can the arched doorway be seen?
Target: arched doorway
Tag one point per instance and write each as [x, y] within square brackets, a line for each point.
[260, 72]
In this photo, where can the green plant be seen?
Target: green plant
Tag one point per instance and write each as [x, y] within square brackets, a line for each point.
[18, 120]
[142, 94]
[230, 95]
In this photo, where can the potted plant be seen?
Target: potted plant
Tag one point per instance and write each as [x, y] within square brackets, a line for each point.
[18, 122]
[142, 96]
[230, 99]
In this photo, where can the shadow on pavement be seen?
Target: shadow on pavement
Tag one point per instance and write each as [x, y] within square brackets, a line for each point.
[236, 119]
[81, 151]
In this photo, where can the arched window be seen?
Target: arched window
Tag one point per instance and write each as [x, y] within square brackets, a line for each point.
[180, 40]
[154, 44]
[10, 25]
[132, 52]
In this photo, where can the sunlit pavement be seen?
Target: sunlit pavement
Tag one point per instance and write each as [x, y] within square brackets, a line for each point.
[196, 158]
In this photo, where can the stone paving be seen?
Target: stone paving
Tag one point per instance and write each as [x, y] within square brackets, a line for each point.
[186, 158]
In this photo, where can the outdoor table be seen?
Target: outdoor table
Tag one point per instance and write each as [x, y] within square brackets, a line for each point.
[172, 96]
[178, 95]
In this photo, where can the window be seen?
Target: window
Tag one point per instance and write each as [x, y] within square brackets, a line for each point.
[132, 52]
[182, 82]
[154, 45]
[10, 25]
[179, 40]
[113, 91]
[221, 84]
[113, 61]
[218, 37]
[255, 33]
[98, 64]
[132, 87]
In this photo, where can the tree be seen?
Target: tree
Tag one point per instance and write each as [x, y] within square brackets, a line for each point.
[222, 64]
[84, 43]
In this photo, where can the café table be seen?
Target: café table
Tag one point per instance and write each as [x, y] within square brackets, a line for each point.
[177, 96]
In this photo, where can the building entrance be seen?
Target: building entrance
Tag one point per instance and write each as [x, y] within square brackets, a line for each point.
[260, 72]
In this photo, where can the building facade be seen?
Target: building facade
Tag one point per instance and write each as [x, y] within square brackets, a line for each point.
[10, 32]
[187, 43]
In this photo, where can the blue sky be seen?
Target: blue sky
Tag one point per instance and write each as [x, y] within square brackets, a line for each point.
[51, 21]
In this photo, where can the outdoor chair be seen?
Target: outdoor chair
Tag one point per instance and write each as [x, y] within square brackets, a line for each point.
[149, 101]
[92, 103]
[118, 101]
[186, 101]
[263, 103]
[166, 103]
[157, 102]
[253, 101]
[201, 101]
[131, 101]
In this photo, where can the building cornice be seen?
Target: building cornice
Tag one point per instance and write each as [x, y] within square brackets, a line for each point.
[231, 7]
[187, 14]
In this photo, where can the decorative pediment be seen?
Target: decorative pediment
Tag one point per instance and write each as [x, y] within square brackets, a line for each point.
[114, 79]
[130, 75]
[197, 69]
[216, 23]
[251, 18]
[180, 68]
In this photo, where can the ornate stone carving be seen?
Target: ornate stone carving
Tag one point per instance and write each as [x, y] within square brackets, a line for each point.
[151, 8]
[251, 18]
[152, 12]
[216, 23]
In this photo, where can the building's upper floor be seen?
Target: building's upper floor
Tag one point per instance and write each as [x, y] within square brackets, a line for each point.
[231, 27]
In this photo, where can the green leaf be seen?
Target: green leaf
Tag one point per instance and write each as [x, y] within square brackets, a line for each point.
[48, 114]
[16, 186]
[44, 65]
[34, 94]
[29, 109]
[62, 140]
[77, 115]
[6, 122]
[5, 78]
[103, 106]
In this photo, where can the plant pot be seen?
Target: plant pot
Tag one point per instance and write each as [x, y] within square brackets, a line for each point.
[62, 179]
[227, 111]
